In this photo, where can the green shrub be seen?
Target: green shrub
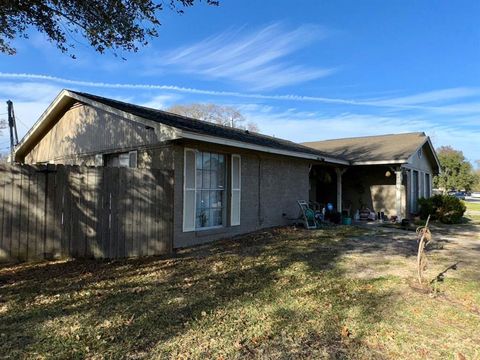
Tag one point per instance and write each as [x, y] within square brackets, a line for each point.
[445, 208]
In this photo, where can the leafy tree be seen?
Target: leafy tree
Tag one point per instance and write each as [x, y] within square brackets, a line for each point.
[457, 173]
[218, 114]
[105, 24]
[476, 187]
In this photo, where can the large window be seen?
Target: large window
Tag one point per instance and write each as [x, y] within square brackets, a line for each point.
[210, 189]
[205, 195]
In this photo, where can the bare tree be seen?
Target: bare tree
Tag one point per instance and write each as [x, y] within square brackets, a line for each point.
[217, 114]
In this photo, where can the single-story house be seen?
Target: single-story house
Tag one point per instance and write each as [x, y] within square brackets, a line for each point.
[230, 181]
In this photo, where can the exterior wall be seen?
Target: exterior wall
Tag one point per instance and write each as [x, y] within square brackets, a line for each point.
[270, 188]
[368, 186]
[84, 131]
[424, 164]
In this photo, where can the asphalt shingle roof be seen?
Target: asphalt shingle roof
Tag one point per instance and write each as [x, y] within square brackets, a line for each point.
[372, 148]
[204, 127]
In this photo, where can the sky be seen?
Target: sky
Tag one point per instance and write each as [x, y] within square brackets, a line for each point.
[302, 71]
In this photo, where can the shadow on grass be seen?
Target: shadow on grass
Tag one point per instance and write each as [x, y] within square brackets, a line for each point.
[173, 306]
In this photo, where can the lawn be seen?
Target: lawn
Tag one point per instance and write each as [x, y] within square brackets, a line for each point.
[341, 292]
[472, 206]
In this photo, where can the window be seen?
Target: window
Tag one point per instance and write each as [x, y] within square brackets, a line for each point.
[126, 159]
[204, 190]
[427, 185]
[210, 189]
[415, 191]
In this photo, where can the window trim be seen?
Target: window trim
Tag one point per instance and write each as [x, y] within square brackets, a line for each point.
[185, 228]
[194, 228]
[234, 222]
[427, 185]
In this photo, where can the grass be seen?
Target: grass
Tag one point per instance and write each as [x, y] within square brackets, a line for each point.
[275, 294]
[472, 206]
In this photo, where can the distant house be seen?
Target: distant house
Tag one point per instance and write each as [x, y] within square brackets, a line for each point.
[230, 181]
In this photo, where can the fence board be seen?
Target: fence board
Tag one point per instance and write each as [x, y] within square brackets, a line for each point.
[68, 211]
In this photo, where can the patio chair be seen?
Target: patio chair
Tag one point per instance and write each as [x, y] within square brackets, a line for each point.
[307, 215]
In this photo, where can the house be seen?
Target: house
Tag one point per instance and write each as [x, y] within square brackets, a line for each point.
[230, 181]
[387, 173]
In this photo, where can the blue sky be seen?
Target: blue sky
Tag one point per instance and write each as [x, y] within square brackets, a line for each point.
[303, 71]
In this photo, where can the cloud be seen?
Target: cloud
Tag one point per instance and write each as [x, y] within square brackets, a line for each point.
[256, 59]
[161, 101]
[444, 114]
[301, 126]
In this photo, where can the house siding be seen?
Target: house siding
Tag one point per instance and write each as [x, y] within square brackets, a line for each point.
[271, 186]
[83, 131]
[423, 164]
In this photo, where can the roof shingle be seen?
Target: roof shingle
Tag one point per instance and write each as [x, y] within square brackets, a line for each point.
[204, 127]
[372, 148]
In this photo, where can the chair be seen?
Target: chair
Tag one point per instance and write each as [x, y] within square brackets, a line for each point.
[307, 215]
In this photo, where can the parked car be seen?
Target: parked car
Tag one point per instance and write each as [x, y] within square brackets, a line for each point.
[475, 195]
[458, 194]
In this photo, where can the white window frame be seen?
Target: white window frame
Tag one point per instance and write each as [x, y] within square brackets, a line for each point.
[194, 189]
[185, 189]
[236, 222]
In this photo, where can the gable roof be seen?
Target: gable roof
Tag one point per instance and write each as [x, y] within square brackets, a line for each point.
[188, 128]
[381, 149]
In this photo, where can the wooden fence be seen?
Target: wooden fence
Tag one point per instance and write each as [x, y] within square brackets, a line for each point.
[56, 211]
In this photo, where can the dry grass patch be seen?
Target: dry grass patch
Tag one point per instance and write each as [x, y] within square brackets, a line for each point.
[275, 294]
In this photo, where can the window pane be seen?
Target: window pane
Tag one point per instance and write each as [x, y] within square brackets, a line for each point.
[206, 161]
[214, 180]
[199, 160]
[199, 179]
[189, 169]
[215, 199]
[216, 217]
[124, 160]
[214, 160]
[206, 179]
[205, 199]
[221, 172]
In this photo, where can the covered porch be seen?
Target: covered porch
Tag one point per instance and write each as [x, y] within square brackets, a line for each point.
[378, 188]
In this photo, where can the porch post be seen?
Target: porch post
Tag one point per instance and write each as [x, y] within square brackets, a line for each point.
[398, 193]
[339, 188]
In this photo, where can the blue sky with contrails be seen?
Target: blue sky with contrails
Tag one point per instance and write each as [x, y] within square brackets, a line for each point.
[303, 71]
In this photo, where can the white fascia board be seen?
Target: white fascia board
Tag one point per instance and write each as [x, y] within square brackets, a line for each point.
[42, 120]
[380, 162]
[64, 96]
[243, 145]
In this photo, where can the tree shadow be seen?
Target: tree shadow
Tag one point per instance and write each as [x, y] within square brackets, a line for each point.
[141, 305]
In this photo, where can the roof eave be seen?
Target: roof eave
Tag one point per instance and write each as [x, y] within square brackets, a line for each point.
[267, 149]
[380, 162]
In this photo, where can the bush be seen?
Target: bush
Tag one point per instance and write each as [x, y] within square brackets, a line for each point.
[445, 208]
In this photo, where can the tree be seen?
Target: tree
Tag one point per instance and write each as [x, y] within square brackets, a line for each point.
[476, 187]
[218, 114]
[456, 172]
[105, 24]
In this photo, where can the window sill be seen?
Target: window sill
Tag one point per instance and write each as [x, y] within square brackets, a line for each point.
[211, 231]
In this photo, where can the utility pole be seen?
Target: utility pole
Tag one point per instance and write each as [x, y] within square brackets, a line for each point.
[13, 130]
